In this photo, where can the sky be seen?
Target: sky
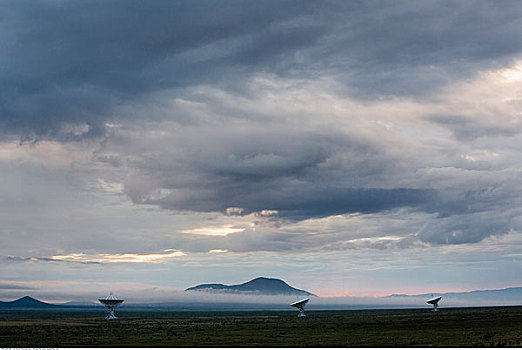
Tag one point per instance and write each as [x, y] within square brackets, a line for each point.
[350, 148]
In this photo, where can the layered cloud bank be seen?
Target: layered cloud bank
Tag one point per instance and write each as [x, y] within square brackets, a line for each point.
[168, 134]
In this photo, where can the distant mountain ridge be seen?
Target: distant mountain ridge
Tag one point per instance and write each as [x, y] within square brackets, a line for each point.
[26, 302]
[259, 285]
[508, 293]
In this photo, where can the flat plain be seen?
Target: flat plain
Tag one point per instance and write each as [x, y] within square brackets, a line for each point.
[451, 327]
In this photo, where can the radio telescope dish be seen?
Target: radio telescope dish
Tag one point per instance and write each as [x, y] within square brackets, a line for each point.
[300, 305]
[111, 302]
[434, 302]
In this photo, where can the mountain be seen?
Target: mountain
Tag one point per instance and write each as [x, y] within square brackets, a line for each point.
[513, 293]
[26, 302]
[260, 285]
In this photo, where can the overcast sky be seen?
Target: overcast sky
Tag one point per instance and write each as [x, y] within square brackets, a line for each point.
[354, 148]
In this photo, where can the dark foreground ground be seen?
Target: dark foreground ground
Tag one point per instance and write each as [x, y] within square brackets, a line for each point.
[500, 326]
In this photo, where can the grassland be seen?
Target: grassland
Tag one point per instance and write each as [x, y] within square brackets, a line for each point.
[368, 328]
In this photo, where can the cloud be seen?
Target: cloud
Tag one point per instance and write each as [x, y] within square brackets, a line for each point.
[8, 286]
[469, 128]
[70, 69]
[299, 172]
[215, 231]
[119, 258]
[218, 251]
[468, 228]
[57, 259]
[65, 78]
[246, 155]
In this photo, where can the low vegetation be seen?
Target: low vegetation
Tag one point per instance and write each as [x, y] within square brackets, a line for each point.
[373, 328]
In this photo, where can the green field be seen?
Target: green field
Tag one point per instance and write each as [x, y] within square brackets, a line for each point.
[500, 326]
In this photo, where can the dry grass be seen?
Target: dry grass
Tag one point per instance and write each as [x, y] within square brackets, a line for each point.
[374, 328]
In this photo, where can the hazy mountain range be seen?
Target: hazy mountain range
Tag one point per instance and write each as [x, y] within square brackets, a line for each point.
[260, 285]
[248, 296]
[512, 293]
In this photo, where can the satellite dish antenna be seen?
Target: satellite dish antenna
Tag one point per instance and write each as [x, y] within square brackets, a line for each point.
[434, 302]
[111, 302]
[300, 305]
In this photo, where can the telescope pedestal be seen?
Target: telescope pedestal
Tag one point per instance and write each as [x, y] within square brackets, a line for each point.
[301, 312]
[435, 307]
[111, 316]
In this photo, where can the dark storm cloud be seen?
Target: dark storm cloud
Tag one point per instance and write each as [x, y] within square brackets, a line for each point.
[404, 48]
[69, 68]
[77, 63]
[301, 174]
[312, 174]
[74, 62]
[301, 202]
